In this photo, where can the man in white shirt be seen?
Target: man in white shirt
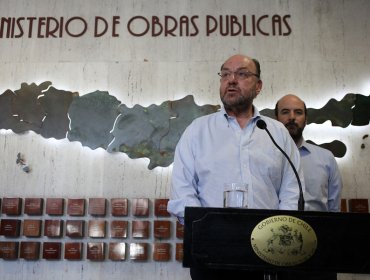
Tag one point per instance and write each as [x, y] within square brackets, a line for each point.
[323, 182]
[228, 147]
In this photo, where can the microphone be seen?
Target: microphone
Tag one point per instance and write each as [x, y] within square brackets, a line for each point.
[261, 124]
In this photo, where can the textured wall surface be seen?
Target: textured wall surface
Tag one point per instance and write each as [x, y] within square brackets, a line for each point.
[323, 55]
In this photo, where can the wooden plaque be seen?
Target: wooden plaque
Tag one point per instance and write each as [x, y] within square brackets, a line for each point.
[117, 251]
[55, 206]
[162, 229]
[161, 252]
[119, 206]
[32, 228]
[179, 230]
[358, 205]
[9, 250]
[96, 228]
[96, 251]
[10, 227]
[179, 252]
[76, 207]
[343, 205]
[140, 229]
[139, 251]
[140, 207]
[51, 250]
[97, 206]
[33, 206]
[53, 228]
[75, 228]
[160, 207]
[118, 229]
[30, 250]
[12, 206]
[73, 250]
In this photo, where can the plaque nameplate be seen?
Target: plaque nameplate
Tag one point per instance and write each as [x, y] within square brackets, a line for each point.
[179, 252]
[161, 252]
[55, 206]
[139, 251]
[140, 229]
[51, 250]
[96, 251]
[358, 205]
[119, 206]
[160, 207]
[97, 206]
[73, 250]
[30, 250]
[76, 207]
[343, 205]
[53, 228]
[32, 228]
[96, 228]
[9, 250]
[117, 251]
[75, 228]
[118, 229]
[162, 229]
[33, 206]
[140, 207]
[179, 230]
[10, 227]
[12, 206]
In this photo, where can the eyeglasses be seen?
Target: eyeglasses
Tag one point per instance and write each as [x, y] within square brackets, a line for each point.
[239, 75]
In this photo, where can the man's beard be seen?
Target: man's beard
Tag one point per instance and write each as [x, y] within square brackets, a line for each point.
[239, 104]
[294, 130]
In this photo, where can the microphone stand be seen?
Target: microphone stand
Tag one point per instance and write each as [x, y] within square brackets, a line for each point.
[262, 125]
[270, 276]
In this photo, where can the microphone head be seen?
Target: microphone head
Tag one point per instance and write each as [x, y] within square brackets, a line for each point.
[261, 124]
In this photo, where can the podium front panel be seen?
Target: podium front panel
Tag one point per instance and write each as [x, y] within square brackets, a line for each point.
[221, 238]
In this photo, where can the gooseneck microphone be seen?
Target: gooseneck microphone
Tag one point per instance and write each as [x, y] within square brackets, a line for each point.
[261, 124]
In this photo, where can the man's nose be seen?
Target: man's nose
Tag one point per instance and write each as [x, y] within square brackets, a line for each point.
[292, 116]
[233, 78]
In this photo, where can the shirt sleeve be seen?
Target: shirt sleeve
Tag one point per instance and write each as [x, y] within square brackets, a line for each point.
[289, 191]
[334, 187]
[184, 180]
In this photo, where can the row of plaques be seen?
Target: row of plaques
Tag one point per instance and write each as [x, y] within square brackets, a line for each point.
[162, 229]
[119, 207]
[95, 251]
[140, 207]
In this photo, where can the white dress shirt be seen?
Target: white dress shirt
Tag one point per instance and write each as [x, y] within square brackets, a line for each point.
[214, 150]
[322, 178]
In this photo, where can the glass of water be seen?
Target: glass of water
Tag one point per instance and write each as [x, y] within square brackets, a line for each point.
[236, 195]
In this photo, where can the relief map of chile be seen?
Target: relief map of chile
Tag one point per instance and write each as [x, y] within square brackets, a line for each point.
[99, 120]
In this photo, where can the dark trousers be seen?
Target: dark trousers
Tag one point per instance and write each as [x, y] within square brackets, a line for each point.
[307, 275]
[225, 274]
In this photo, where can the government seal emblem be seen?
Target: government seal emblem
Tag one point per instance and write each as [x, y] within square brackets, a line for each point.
[284, 240]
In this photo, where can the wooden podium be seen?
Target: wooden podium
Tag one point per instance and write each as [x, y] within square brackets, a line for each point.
[221, 238]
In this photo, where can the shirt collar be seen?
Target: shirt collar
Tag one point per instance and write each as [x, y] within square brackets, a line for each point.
[255, 117]
[304, 145]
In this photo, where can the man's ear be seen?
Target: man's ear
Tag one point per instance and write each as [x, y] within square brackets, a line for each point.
[259, 86]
